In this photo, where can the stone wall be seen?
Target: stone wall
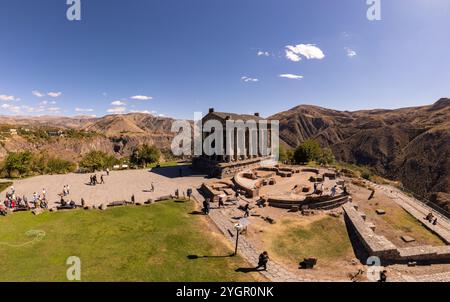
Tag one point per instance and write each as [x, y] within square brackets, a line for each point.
[380, 246]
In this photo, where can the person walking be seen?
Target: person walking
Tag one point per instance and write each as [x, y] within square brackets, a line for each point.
[206, 206]
[102, 181]
[246, 210]
[107, 171]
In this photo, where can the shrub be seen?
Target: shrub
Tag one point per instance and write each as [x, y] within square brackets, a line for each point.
[97, 160]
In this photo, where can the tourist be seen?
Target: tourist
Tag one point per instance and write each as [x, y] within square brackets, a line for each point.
[107, 171]
[177, 193]
[68, 189]
[132, 199]
[321, 189]
[372, 194]
[315, 188]
[63, 202]
[82, 202]
[221, 203]
[333, 191]
[44, 194]
[435, 222]
[94, 178]
[206, 206]
[102, 181]
[189, 193]
[72, 204]
[152, 189]
[383, 276]
[263, 259]
[246, 210]
[13, 190]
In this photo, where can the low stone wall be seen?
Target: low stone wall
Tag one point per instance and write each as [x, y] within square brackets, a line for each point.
[250, 189]
[224, 170]
[374, 244]
[314, 203]
[380, 246]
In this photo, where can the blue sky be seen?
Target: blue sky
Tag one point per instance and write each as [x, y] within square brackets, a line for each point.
[186, 56]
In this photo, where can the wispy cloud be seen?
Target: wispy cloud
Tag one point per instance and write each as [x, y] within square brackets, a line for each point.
[54, 94]
[11, 108]
[117, 110]
[309, 51]
[7, 98]
[83, 110]
[248, 79]
[142, 111]
[37, 93]
[350, 52]
[141, 98]
[118, 103]
[263, 53]
[291, 76]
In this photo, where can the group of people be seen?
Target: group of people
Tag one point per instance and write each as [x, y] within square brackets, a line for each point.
[94, 180]
[14, 202]
[431, 219]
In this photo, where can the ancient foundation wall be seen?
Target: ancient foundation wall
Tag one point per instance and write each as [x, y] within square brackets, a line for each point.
[380, 246]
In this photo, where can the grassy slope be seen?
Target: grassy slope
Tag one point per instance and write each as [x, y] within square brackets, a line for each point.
[148, 243]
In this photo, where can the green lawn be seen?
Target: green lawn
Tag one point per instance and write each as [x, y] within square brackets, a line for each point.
[326, 239]
[146, 243]
[5, 185]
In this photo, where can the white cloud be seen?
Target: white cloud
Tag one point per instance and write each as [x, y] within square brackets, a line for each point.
[43, 103]
[309, 51]
[37, 93]
[141, 111]
[292, 56]
[54, 94]
[117, 110]
[161, 115]
[291, 76]
[7, 98]
[248, 79]
[263, 53]
[83, 110]
[350, 52]
[118, 103]
[141, 97]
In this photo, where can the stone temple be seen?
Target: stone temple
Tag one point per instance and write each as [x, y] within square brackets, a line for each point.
[232, 158]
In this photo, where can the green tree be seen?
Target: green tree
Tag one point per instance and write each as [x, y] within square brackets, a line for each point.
[326, 157]
[285, 154]
[309, 150]
[97, 160]
[18, 162]
[145, 155]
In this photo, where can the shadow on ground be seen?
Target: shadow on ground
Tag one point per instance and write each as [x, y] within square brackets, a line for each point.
[247, 270]
[176, 172]
[194, 257]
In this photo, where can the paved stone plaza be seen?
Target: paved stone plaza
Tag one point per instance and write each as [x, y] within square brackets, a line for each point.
[119, 185]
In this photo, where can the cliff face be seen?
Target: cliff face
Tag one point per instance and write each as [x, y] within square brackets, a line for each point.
[409, 144]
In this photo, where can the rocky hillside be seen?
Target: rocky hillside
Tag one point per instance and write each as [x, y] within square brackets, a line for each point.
[409, 144]
[115, 134]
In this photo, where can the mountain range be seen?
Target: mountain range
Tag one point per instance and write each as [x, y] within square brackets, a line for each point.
[411, 145]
